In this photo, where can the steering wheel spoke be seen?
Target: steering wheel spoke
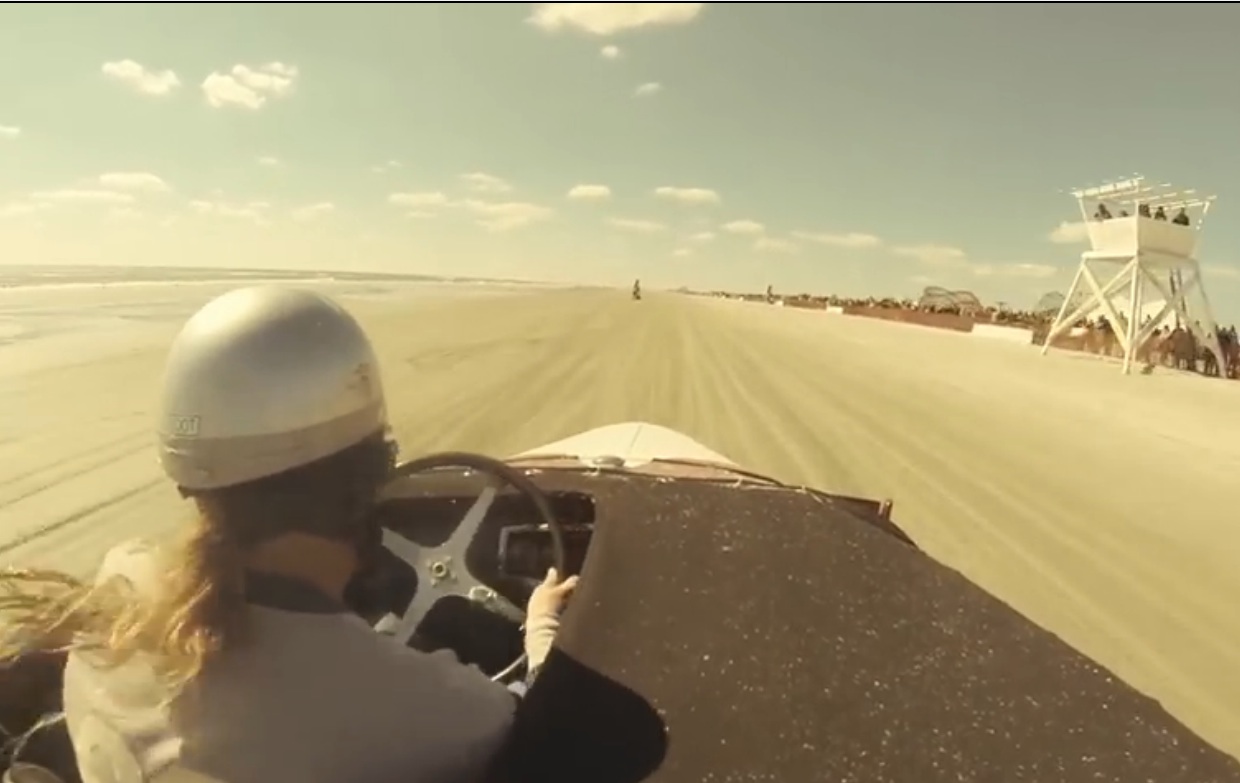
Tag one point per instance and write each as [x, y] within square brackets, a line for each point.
[491, 600]
[467, 529]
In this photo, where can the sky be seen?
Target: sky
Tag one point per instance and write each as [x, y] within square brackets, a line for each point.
[860, 149]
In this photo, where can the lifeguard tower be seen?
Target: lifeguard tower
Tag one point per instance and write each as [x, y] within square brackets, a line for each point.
[1145, 262]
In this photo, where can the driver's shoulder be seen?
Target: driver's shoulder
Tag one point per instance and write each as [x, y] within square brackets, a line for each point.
[137, 561]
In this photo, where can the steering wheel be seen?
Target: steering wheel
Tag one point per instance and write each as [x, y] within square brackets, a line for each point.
[442, 571]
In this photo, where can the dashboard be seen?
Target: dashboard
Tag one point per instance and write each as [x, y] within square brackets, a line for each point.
[525, 551]
[512, 542]
[512, 548]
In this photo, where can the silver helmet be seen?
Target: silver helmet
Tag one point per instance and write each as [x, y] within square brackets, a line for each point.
[262, 380]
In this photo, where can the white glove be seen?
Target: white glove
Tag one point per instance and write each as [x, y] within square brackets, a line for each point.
[542, 616]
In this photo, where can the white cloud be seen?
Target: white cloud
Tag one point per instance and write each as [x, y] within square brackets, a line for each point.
[390, 165]
[83, 196]
[479, 182]
[1222, 271]
[1036, 271]
[744, 227]
[589, 192]
[688, 195]
[249, 87]
[268, 160]
[649, 88]
[312, 211]
[937, 255]
[419, 201]
[134, 180]
[852, 239]
[1033, 270]
[636, 225]
[946, 257]
[610, 52]
[506, 215]
[137, 77]
[123, 213]
[682, 252]
[610, 18]
[491, 215]
[702, 236]
[1070, 232]
[251, 211]
[19, 208]
[9, 131]
[775, 245]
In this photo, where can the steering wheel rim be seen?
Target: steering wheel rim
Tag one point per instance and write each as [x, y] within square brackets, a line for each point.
[433, 565]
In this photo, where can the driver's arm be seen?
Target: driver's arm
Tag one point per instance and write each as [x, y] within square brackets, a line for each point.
[542, 620]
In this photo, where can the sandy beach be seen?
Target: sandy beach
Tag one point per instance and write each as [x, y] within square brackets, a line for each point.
[1101, 506]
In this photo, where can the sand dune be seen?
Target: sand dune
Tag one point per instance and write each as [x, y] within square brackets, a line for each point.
[1101, 506]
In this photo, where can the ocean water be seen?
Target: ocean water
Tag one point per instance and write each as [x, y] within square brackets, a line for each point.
[25, 276]
[50, 315]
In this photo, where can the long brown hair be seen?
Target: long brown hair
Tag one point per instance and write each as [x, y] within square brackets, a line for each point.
[196, 607]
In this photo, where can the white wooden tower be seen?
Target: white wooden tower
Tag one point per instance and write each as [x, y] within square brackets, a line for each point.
[1135, 262]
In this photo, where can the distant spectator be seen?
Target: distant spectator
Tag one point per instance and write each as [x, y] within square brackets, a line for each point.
[1159, 214]
[1103, 213]
[1143, 210]
[1181, 218]
[1123, 213]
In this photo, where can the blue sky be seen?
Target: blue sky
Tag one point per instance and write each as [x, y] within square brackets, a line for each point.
[859, 148]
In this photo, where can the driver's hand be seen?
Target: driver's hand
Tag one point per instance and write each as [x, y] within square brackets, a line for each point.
[542, 615]
[549, 598]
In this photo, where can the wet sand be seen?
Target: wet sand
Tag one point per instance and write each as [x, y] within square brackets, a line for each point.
[1100, 506]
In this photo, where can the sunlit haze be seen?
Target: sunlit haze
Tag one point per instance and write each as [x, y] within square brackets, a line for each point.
[846, 148]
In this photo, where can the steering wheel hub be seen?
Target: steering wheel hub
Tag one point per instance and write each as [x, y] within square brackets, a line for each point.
[441, 570]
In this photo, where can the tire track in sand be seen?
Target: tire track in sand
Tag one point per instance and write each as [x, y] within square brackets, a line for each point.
[972, 488]
[836, 406]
